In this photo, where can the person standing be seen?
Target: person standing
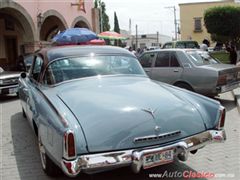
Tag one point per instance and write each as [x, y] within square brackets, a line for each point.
[232, 55]
[21, 64]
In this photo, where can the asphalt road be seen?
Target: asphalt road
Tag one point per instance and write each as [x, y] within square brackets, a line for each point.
[19, 155]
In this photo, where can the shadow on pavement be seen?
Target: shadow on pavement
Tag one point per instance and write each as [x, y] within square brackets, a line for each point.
[29, 165]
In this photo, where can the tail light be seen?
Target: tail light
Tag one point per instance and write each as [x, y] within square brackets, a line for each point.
[221, 119]
[69, 151]
[222, 80]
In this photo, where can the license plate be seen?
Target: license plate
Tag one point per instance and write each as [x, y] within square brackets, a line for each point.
[13, 90]
[157, 158]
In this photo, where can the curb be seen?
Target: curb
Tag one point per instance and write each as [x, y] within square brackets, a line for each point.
[236, 94]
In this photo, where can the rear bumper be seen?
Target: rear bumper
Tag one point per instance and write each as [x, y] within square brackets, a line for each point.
[228, 87]
[106, 161]
[11, 89]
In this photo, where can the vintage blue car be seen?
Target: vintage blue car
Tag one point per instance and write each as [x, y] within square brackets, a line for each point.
[94, 109]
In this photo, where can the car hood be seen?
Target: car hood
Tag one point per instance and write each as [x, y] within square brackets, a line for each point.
[113, 111]
[9, 74]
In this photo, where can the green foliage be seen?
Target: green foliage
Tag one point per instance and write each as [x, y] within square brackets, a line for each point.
[96, 3]
[105, 19]
[221, 56]
[116, 24]
[223, 23]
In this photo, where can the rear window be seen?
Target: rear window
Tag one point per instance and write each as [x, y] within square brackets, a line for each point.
[187, 45]
[201, 58]
[80, 67]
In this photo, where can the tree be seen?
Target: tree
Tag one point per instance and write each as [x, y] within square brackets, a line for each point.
[116, 24]
[96, 3]
[223, 23]
[104, 23]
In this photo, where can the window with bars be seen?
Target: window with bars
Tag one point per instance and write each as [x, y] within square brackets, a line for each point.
[198, 24]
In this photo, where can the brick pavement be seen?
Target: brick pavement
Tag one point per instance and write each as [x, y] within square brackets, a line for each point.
[19, 156]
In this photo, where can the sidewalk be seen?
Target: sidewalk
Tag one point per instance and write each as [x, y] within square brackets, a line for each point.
[236, 94]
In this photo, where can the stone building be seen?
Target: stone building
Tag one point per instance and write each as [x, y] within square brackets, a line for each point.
[192, 18]
[26, 26]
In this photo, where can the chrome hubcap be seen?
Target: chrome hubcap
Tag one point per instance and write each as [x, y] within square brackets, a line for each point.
[42, 154]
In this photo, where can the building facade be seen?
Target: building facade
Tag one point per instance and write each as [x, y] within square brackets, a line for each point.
[26, 26]
[147, 40]
[192, 19]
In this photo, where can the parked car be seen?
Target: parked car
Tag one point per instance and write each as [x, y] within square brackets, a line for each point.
[181, 45]
[94, 109]
[193, 70]
[8, 82]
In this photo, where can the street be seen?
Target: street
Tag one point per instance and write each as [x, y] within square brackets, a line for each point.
[19, 155]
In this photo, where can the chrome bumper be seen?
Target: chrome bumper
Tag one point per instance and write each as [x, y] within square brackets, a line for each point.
[228, 87]
[3, 89]
[134, 158]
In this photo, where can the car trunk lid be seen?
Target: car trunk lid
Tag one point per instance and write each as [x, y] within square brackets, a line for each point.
[116, 111]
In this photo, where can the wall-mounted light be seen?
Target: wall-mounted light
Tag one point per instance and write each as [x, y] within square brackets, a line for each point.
[39, 19]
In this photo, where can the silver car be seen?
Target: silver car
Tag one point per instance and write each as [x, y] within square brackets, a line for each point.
[191, 69]
[8, 82]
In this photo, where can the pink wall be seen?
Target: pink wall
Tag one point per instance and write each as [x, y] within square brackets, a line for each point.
[64, 7]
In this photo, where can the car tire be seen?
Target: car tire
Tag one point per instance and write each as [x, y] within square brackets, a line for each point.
[185, 86]
[48, 165]
[23, 113]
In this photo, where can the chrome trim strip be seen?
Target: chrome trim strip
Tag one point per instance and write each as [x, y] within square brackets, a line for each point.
[156, 137]
[61, 118]
[93, 163]
[8, 87]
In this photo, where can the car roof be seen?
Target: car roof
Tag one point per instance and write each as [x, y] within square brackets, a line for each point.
[79, 50]
[181, 41]
[173, 49]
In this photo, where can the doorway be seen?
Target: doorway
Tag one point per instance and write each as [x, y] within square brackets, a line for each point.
[11, 51]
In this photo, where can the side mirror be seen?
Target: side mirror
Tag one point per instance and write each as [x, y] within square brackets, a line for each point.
[23, 75]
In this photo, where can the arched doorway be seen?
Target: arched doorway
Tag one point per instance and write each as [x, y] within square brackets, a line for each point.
[16, 34]
[53, 22]
[81, 22]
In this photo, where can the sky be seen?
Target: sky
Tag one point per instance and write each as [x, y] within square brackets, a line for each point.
[149, 15]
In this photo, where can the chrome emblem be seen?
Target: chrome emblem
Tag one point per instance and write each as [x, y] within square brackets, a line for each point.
[157, 128]
[150, 111]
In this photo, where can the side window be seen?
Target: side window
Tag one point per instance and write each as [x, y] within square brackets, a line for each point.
[191, 45]
[174, 62]
[162, 59]
[36, 69]
[180, 45]
[167, 46]
[147, 59]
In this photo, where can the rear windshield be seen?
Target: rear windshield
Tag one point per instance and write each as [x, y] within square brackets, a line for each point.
[187, 45]
[201, 58]
[81, 67]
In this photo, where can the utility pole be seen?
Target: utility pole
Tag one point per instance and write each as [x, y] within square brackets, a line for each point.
[101, 16]
[157, 38]
[175, 19]
[136, 37]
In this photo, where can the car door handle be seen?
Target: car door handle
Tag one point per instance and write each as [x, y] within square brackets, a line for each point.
[147, 70]
[175, 70]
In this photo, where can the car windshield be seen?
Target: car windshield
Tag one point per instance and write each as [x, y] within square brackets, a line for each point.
[80, 67]
[201, 58]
